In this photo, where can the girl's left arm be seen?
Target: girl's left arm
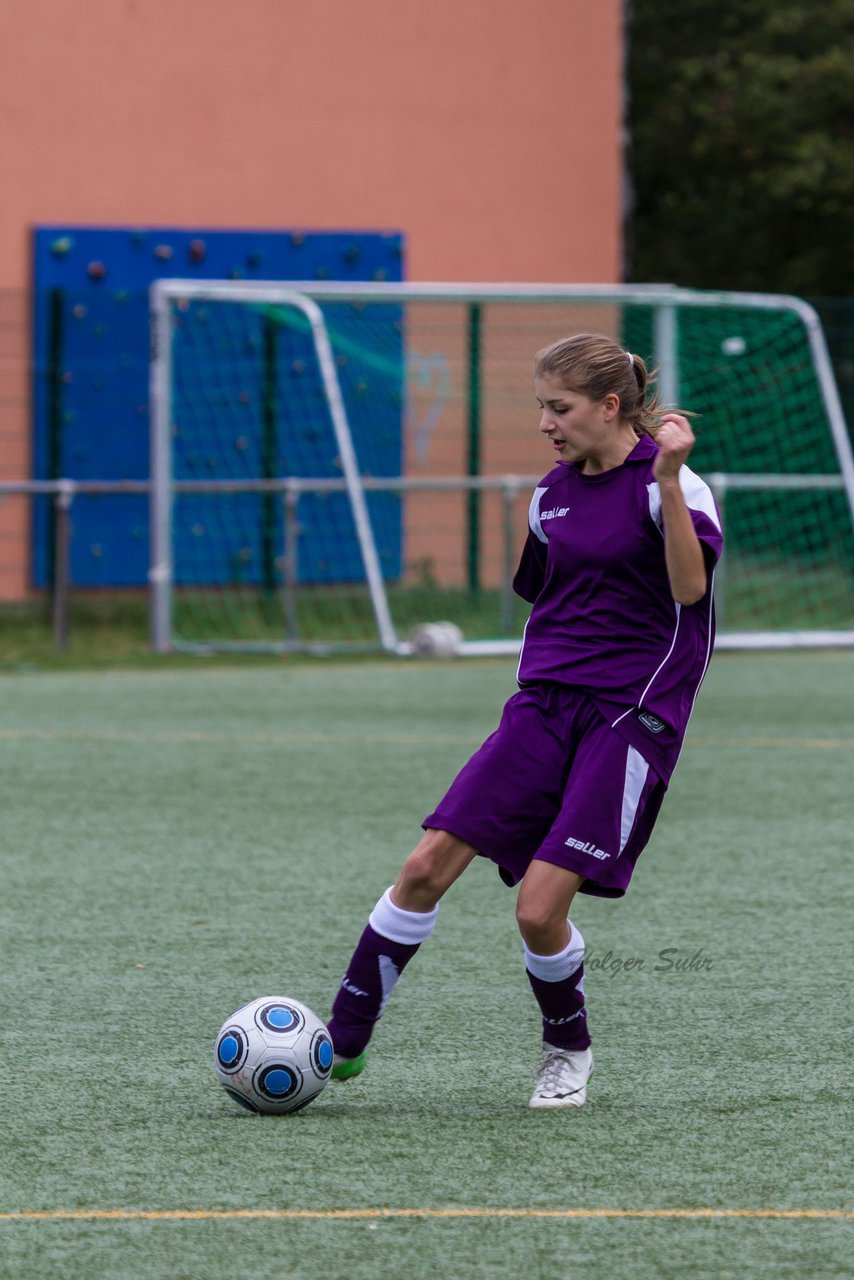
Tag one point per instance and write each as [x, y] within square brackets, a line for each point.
[683, 552]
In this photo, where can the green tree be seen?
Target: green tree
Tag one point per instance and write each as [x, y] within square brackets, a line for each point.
[741, 144]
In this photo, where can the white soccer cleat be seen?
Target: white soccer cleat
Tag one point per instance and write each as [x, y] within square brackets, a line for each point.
[562, 1077]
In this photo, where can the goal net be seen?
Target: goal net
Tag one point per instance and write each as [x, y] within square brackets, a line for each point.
[335, 467]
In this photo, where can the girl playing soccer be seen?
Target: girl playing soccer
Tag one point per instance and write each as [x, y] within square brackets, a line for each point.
[619, 567]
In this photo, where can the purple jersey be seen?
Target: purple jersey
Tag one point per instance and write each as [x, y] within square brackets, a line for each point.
[604, 619]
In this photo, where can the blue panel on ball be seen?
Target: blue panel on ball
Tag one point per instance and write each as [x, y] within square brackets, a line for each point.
[278, 1081]
[325, 1054]
[228, 1050]
[280, 1018]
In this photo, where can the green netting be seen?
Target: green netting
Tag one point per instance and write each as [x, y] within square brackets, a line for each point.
[749, 376]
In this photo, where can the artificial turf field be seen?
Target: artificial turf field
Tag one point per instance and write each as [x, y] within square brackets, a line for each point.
[179, 841]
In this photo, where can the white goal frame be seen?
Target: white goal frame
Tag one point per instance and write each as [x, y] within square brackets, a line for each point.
[163, 485]
[304, 296]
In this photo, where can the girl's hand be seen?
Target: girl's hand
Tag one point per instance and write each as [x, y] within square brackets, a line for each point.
[675, 440]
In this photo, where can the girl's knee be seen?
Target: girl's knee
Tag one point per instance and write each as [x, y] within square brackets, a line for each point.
[420, 872]
[542, 906]
[534, 916]
[430, 869]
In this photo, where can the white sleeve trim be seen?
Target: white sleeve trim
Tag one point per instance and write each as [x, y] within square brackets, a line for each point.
[534, 514]
[654, 495]
[697, 495]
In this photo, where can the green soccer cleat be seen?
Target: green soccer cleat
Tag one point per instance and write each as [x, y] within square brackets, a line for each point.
[347, 1068]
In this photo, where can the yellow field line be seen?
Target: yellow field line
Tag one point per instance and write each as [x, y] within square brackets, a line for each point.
[303, 738]
[331, 1215]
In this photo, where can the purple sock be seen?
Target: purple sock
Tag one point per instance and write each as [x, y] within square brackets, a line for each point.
[558, 986]
[389, 942]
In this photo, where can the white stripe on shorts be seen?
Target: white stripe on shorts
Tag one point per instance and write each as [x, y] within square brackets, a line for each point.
[636, 775]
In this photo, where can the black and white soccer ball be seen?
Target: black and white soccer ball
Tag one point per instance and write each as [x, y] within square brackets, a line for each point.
[274, 1055]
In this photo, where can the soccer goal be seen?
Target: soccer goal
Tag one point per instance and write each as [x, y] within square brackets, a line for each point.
[340, 467]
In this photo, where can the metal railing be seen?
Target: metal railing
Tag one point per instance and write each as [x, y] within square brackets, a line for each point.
[291, 488]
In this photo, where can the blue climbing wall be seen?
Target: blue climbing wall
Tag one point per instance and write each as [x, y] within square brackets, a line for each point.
[91, 420]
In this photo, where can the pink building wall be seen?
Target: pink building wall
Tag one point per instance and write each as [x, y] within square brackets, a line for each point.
[487, 131]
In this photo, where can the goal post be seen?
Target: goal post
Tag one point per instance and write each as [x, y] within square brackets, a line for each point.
[336, 465]
[162, 455]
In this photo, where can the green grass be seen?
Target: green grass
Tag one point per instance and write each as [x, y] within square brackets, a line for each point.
[179, 840]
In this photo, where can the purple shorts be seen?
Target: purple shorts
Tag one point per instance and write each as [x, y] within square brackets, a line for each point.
[555, 782]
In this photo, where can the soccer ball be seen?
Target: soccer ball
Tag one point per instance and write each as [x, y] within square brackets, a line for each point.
[273, 1055]
[436, 640]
